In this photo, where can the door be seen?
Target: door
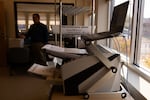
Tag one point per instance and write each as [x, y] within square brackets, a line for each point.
[3, 42]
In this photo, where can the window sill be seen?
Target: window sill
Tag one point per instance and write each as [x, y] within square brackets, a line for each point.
[139, 79]
[145, 75]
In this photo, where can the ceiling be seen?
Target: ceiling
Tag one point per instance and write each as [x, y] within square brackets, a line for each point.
[50, 8]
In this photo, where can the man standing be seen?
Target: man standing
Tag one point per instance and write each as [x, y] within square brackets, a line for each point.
[38, 34]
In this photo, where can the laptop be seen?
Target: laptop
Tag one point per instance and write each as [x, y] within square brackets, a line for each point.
[116, 25]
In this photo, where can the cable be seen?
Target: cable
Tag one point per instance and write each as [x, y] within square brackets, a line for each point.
[116, 44]
[127, 60]
[122, 63]
[123, 73]
[126, 45]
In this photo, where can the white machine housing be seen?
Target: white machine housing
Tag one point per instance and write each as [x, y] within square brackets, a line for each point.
[99, 71]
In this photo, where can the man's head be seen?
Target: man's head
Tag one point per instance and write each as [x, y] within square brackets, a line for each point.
[36, 18]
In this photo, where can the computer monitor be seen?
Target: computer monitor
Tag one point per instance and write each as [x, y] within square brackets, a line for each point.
[119, 17]
[116, 24]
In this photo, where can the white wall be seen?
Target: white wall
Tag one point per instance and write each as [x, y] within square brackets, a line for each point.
[101, 15]
[102, 8]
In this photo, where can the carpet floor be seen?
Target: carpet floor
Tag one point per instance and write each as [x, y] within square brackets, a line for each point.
[22, 86]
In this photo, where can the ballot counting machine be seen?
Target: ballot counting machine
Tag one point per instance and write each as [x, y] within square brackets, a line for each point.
[99, 71]
[94, 70]
[96, 73]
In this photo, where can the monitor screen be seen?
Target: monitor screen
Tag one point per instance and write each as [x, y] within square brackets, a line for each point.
[118, 17]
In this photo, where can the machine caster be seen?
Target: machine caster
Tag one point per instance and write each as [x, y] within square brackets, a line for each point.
[86, 96]
[114, 69]
[123, 95]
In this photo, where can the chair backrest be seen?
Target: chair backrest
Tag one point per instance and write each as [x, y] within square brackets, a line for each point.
[119, 17]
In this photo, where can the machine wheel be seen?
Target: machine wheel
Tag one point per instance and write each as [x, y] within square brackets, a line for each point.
[124, 95]
[86, 96]
[114, 69]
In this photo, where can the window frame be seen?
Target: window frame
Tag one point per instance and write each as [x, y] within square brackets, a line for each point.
[27, 16]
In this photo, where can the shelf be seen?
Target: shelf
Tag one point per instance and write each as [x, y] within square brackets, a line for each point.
[73, 10]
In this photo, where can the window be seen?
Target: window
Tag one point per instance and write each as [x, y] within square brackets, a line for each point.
[48, 14]
[43, 18]
[144, 59]
[21, 22]
[21, 25]
[54, 20]
[30, 20]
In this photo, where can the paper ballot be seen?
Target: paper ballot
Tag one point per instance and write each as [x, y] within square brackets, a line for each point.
[42, 70]
[64, 50]
[51, 73]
